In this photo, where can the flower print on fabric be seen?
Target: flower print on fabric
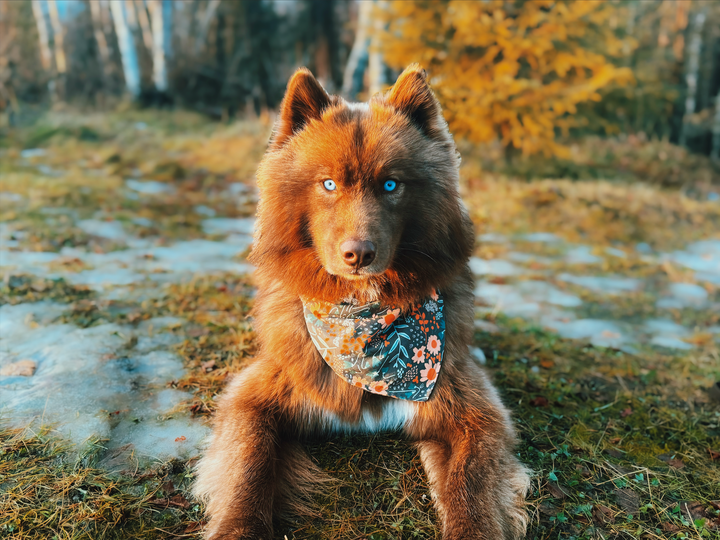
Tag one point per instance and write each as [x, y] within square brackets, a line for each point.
[379, 348]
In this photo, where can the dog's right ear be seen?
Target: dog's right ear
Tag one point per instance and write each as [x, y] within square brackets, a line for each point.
[304, 100]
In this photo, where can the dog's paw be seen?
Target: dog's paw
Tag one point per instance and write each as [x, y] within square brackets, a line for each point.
[235, 530]
[511, 500]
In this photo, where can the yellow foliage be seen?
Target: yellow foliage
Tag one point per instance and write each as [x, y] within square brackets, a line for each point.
[508, 68]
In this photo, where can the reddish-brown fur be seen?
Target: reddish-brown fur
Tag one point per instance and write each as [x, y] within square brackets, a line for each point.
[424, 239]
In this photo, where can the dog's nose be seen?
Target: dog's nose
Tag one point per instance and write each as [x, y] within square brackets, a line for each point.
[358, 253]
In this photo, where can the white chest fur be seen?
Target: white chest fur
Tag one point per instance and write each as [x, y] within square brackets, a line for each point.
[396, 413]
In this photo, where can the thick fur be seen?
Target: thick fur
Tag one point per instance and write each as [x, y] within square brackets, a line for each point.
[424, 239]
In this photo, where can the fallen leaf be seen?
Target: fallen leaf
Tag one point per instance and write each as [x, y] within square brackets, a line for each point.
[168, 487]
[628, 500]
[539, 401]
[194, 526]
[627, 412]
[179, 500]
[557, 491]
[208, 366]
[614, 452]
[602, 515]
[676, 463]
[21, 368]
[582, 469]
[670, 527]
[547, 364]
[181, 438]
[548, 509]
[714, 454]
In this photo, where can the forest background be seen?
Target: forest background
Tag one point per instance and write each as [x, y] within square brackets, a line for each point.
[522, 75]
[130, 132]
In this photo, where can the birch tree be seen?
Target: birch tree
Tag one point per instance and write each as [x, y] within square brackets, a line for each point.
[358, 59]
[715, 151]
[693, 69]
[58, 38]
[99, 34]
[142, 18]
[128, 53]
[160, 11]
[45, 54]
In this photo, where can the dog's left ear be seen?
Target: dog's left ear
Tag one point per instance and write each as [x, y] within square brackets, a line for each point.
[412, 96]
[304, 100]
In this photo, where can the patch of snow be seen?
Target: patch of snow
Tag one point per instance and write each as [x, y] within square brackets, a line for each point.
[112, 230]
[493, 238]
[89, 384]
[665, 327]
[615, 252]
[143, 222]
[670, 343]
[541, 237]
[32, 152]
[228, 225]
[541, 291]
[684, 295]
[603, 284]
[149, 187]
[506, 298]
[581, 255]
[204, 210]
[528, 258]
[9, 196]
[600, 333]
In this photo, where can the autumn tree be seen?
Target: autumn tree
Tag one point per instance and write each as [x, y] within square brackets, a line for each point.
[511, 69]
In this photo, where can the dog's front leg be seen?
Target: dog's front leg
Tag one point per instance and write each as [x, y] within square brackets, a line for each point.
[236, 478]
[478, 484]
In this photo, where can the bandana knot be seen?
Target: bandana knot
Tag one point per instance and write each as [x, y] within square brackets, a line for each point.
[379, 348]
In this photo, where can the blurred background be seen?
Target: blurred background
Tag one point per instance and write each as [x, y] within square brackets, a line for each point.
[130, 133]
[524, 75]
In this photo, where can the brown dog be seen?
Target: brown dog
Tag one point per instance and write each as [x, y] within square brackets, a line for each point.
[360, 205]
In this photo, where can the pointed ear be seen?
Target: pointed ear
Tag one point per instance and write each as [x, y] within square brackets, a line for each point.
[412, 96]
[304, 100]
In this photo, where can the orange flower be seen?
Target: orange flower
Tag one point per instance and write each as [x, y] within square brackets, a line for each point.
[430, 373]
[359, 382]
[419, 355]
[433, 345]
[390, 317]
[378, 387]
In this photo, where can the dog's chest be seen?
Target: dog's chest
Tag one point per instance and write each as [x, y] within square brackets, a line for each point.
[395, 414]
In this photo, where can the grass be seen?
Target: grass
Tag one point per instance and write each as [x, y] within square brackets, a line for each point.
[621, 445]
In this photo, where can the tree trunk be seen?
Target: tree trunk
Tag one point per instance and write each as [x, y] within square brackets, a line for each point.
[693, 69]
[159, 15]
[142, 18]
[205, 24]
[358, 59]
[715, 151]
[100, 39]
[126, 44]
[376, 66]
[45, 54]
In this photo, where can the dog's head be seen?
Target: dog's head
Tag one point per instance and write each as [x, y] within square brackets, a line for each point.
[361, 200]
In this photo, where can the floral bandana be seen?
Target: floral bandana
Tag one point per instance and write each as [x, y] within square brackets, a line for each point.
[377, 348]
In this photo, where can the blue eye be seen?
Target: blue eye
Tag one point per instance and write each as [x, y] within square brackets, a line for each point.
[390, 185]
[329, 185]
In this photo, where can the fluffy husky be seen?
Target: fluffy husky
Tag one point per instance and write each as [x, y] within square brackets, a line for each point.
[364, 315]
